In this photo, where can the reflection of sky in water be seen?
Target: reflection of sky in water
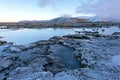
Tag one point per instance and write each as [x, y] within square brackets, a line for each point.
[25, 36]
[116, 60]
[102, 30]
[109, 31]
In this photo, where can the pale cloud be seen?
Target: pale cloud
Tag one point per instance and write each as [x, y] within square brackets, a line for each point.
[104, 9]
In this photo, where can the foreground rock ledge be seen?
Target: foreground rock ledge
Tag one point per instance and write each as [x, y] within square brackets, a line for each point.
[38, 61]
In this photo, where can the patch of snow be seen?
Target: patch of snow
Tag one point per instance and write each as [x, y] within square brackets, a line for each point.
[5, 62]
[64, 76]
[15, 49]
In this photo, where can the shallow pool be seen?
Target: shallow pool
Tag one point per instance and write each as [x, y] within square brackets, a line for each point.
[25, 36]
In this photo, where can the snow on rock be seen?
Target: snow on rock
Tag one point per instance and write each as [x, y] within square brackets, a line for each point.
[44, 42]
[26, 73]
[28, 46]
[86, 57]
[96, 53]
[33, 70]
[37, 63]
[64, 76]
[12, 49]
[19, 48]
[5, 62]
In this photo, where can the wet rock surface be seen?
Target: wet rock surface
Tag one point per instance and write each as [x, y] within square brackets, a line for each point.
[71, 57]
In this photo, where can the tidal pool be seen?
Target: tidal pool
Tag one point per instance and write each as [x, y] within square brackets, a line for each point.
[26, 36]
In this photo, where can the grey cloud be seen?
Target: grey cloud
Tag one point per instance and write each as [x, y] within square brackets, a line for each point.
[44, 3]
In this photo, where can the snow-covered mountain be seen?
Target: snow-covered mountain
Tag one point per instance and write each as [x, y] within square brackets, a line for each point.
[69, 19]
[72, 20]
[60, 20]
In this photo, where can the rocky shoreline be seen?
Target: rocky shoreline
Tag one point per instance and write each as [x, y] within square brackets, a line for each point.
[72, 57]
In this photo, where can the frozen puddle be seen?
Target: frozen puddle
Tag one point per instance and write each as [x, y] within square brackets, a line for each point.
[116, 60]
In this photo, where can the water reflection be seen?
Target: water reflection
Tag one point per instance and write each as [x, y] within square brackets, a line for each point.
[25, 36]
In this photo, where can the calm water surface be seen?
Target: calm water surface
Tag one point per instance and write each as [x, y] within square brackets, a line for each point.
[116, 60]
[25, 36]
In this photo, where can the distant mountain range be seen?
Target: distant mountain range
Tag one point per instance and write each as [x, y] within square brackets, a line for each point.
[60, 20]
[70, 20]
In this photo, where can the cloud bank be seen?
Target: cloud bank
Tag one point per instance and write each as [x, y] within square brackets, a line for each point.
[102, 9]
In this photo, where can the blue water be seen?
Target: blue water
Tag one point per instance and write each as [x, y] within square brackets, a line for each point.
[25, 36]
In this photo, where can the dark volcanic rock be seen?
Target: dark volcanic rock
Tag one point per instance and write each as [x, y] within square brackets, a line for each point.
[2, 42]
[78, 36]
[116, 33]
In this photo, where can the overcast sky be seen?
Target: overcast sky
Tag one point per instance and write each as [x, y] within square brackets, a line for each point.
[16, 10]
